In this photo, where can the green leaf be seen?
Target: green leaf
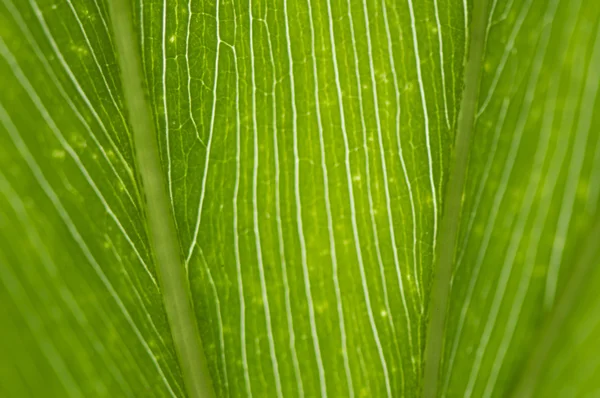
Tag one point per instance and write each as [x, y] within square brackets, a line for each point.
[305, 198]
[531, 194]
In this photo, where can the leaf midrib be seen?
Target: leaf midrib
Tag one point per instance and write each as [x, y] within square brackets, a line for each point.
[448, 232]
[174, 285]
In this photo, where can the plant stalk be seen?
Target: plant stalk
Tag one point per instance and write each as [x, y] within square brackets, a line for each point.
[163, 235]
[448, 233]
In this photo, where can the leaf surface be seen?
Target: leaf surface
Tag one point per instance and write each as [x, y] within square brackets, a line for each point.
[306, 148]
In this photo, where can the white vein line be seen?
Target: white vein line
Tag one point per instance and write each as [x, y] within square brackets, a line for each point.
[149, 52]
[466, 27]
[332, 249]
[165, 103]
[392, 63]
[426, 119]
[19, 208]
[236, 236]
[301, 238]
[49, 350]
[578, 155]
[189, 74]
[499, 197]
[357, 244]
[46, 187]
[280, 238]
[385, 180]
[364, 369]
[213, 287]
[9, 57]
[142, 34]
[213, 116]
[507, 51]
[442, 66]
[102, 13]
[256, 228]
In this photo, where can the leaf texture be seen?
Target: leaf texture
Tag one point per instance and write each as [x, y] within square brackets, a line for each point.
[306, 149]
[307, 182]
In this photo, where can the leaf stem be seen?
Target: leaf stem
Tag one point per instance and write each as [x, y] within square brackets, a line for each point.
[163, 235]
[448, 233]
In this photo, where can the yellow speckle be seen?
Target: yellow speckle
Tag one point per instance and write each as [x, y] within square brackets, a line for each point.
[79, 50]
[321, 307]
[539, 271]
[172, 39]
[58, 154]
[78, 142]
[582, 189]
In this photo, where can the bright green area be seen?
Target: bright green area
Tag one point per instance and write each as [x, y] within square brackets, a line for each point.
[305, 149]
